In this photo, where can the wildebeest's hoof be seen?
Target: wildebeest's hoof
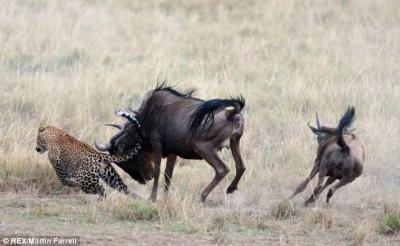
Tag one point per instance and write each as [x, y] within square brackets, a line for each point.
[231, 189]
[201, 199]
[308, 202]
[329, 195]
[136, 196]
[152, 199]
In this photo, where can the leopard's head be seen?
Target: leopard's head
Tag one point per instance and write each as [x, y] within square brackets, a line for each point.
[45, 136]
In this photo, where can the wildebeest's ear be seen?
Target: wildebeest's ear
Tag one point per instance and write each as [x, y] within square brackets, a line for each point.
[314, 130]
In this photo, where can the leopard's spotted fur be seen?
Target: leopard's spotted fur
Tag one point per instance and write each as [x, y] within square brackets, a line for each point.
[78, 164]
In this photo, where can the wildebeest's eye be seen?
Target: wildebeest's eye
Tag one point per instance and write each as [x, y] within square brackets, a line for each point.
[121, 147]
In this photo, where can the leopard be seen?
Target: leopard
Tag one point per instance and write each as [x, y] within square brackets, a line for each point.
[77, 164]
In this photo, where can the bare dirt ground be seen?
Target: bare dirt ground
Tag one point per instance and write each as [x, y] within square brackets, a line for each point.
[17, 219]
[70, 215]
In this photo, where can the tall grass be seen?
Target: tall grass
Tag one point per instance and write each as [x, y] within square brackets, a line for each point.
[73, 63]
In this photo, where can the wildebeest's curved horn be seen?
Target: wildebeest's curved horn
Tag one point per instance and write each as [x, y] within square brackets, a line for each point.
[317, 121]
[313, 129]
[106, 148]
[130, 117]
[114, 125]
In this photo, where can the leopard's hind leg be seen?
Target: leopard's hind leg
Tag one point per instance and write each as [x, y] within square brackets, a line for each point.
[89, 182]
[111, 177]
[94, 188]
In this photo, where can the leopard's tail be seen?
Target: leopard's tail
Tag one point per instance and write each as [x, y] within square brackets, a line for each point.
[119, 159]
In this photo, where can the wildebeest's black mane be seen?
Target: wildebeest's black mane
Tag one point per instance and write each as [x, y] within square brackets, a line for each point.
[165, 87]
[149, 109]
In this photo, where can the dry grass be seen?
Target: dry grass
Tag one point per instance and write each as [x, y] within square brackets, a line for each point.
[284, 210]
[73, 63]
[390, 223]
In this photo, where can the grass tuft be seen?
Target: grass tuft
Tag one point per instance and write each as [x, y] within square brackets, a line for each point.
[284, 210]
[359, 237]
[184, 227]
[324, 217]
[390, 223]
[217, 223]
[135, 211]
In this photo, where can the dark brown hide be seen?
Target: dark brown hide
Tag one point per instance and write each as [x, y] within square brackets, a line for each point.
[176, 124]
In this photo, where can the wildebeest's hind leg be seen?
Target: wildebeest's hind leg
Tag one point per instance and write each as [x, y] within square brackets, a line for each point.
[207, 151]
[240, 167]
[342, 182]
[169, 170]
[304, 184]
[316, 193]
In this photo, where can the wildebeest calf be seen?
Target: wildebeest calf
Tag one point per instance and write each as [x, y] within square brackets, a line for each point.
[340, 156]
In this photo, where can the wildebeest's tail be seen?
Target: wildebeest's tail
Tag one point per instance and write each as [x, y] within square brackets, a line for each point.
[203, 116]
[345, 122]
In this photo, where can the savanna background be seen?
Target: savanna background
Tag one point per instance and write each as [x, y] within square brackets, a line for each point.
[73, 63]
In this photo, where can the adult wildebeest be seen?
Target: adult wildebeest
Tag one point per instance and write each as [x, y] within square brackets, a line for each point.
[170, 124]
[340, 156]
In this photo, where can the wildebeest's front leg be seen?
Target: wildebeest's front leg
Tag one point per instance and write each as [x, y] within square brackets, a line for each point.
[169, 170]
[157, 164]
[240, 168]
[207, 151]
[156, 146]
[322, 172]
[304, 184]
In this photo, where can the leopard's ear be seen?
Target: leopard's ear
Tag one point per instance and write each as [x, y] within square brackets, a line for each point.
[42, 125]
